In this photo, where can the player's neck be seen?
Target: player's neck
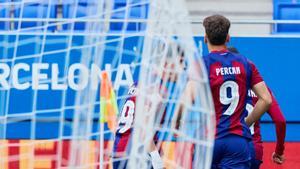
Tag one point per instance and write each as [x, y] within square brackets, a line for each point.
[216, 47]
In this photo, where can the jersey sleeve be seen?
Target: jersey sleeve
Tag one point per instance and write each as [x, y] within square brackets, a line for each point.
[280, 124]
[255, 75]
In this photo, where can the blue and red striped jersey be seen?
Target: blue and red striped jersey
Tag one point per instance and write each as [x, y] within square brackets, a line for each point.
[122, 141]
[124, 130]
[277, 117]
[230, 76]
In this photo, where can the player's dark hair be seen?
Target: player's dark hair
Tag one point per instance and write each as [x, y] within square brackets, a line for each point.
[216, 29]
[233, 50]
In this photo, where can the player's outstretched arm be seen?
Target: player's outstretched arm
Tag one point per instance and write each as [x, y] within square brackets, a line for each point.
[262, 105]
[280, 124]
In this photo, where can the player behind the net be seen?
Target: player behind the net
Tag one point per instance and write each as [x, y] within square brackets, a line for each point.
[277, 116]
[124, 133]
[230, 78]
[167, 74]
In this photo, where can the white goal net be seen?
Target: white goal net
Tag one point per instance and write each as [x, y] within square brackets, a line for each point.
[52, 56]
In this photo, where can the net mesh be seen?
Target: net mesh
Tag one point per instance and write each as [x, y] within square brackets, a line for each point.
[54, 51]
[180, 126]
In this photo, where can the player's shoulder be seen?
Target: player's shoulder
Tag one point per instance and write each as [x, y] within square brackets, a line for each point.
[210, 55]
[239, 56]
[210, 58]
[243, 59]
[213, 57]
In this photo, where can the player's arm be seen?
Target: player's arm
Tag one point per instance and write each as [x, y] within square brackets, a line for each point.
[264, 97]
[186, 99]
[262, 105]
[280, 124]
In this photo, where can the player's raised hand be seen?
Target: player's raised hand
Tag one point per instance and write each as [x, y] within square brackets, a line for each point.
[278, 159]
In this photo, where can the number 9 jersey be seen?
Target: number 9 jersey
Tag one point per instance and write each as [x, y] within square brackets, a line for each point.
[126, 118]
[231, 76]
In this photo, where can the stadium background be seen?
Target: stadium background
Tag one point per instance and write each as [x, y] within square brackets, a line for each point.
[272, 47]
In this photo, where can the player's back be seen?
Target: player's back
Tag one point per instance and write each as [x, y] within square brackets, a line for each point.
[126, 118]
[127, 115]
[230, 79]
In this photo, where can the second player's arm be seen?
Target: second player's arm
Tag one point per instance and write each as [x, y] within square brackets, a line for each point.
[262, 105]
[264, 97]
[280, 123]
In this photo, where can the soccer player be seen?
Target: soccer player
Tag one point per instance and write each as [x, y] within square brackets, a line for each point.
[124, 131]
[231, 76]
[123, 134]
[279, 120]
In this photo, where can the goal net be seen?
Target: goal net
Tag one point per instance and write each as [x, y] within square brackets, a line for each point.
[52, 101]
